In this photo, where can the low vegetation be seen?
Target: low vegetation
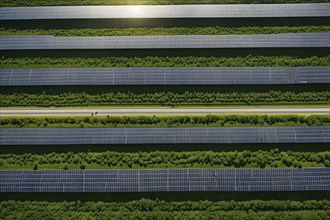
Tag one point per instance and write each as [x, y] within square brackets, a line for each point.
[107, 62]
[164, 99]
[158, 209]
[16, 3]
[163, 159]
[166, 121]
[165, 31]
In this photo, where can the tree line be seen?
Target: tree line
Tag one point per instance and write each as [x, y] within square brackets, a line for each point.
[159, 209]
[165, 31]
[162, 159]
[16, 3]
[187, 61]
[167, 121]
[164, 99]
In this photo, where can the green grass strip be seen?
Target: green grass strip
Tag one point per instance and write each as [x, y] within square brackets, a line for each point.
[166, 31]
[163, 159]
[108, 62]
[165, 121]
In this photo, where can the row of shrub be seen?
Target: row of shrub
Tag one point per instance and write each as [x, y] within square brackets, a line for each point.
[157, 209]
[165, 31]
[167, 121]
[108, 62]
[163, 159]
[164, 99]
[16, 3]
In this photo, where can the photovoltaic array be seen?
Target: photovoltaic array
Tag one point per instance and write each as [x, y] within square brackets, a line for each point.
[47, 42]
[167, 11]
[164, 180]
[190, 135]
[164, 76]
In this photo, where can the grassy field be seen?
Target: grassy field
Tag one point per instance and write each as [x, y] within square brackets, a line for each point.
[166, 31]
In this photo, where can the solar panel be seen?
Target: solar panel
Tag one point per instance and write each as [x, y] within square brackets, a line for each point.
[167, 11]
[190, 135]
[164, 76]
[162, 180]
[47, 42]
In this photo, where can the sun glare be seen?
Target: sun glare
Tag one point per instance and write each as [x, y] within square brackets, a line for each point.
[135, 11]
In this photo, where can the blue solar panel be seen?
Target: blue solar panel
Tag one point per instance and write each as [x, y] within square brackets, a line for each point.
[207, 135]
[161, 180]
[167, 11]
[164, 76]
[292, 40]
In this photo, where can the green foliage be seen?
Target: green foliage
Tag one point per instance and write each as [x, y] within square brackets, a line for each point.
[108, 62]
[35, 165]
[168, 121]
[16, 3]
[65, 166]
[158, 209]
[166, 31]
[164, 159]
[164, 99]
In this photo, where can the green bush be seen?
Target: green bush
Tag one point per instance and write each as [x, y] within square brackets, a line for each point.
[163, 159]
[159, 209]
[165, 99]
[35, 165]
[169, 121]
[166, 31]
[108, 62]
[66, 166]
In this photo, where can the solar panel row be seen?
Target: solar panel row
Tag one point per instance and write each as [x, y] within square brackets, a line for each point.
[167, 11]
[190, 135]
[295, 40]
[164, 76]
[166, 180]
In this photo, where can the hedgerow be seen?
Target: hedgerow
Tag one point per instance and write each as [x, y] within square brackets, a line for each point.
[165, 31]
[164, 99]
[163, 159]
[159, 209]
[166, 121]
[107, 62]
